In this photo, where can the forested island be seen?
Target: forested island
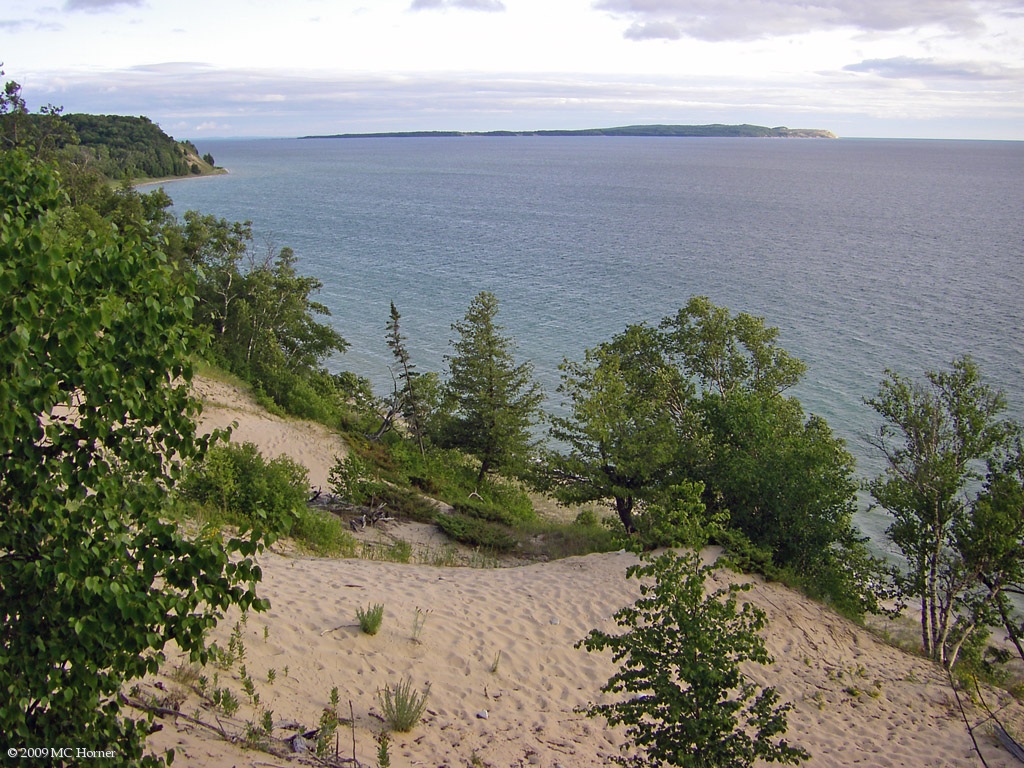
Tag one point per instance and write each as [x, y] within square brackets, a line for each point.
[713, 130]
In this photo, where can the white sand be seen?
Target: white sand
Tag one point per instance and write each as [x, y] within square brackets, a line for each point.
[310, 444]
[857, 701]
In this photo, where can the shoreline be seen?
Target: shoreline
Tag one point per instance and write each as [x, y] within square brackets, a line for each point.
[166, 179]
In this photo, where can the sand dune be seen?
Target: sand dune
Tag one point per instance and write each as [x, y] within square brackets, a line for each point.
[496, 647]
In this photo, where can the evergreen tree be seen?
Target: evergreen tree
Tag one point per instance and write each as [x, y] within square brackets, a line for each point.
[406, 400]
[494, 402]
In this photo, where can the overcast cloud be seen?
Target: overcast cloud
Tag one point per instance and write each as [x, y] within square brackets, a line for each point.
[942, 68]
[469, 5]
[717, 20]
[98, 5]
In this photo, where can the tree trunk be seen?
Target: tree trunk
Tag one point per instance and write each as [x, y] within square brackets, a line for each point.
[624, 506]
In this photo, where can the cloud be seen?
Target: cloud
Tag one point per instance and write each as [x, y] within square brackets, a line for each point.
[654, 30]
[191, 100]
[98, 5]
[17, 25]
[902, 67]
[467, 5]
[718, 20]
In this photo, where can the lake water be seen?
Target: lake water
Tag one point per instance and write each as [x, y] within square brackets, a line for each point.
[866, 254]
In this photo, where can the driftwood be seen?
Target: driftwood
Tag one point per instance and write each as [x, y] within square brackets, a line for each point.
[282, 748]
[371, 518]
[362, 517]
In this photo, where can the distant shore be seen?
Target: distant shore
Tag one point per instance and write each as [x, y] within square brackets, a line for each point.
[715, 130]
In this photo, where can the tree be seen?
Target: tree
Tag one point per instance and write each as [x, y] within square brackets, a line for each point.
[783, 479]
[40, 134]
[992, 539]
[95, 342]
[406, 399]
[686, 700]
[494, 401]
[936, 437]
[728, 354]
[626, 405]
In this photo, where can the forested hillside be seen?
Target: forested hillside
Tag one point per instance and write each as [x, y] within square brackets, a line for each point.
[112, 147]
[136, 147]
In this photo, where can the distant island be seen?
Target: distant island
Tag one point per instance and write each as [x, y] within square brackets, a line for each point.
[713, 130]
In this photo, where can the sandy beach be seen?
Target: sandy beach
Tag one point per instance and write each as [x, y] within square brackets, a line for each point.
[496, 647]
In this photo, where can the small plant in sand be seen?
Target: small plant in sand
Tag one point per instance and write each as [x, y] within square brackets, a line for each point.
[418, 620]
[403, 707]
[328, 726]
[371, 618]
[383, 751]
[225, 701]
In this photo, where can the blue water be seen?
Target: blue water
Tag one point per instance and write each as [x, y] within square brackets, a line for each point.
[867, 254]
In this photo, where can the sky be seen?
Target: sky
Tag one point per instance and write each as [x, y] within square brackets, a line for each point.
[944, 69]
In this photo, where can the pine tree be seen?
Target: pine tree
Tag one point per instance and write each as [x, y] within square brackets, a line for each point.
[494, 401]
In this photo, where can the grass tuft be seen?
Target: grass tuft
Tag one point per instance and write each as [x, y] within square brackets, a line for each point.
[403, 707]
[370, 619]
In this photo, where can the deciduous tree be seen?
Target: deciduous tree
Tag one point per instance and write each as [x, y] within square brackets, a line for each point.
[95, 342]
[680, 689]
[936, 437]
[622, 434]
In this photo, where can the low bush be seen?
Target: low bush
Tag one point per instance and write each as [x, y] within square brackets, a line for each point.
[323, 534]
[484, 510]
[246, 489]
[477, 533]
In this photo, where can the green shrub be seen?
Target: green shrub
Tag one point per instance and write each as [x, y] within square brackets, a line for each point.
[680, 520]
[371, 618]
[407, 504]
[484, 510]
[323, 534]
[477, 533]
[681, 689]
[744, 556]
[352, 480]
[401, 706]
[247, 489]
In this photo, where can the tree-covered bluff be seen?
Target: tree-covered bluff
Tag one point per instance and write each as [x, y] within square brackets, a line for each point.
[113, 147]
[136, 147]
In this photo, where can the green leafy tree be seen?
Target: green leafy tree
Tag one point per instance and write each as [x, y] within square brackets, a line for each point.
[41, 133]
[494, 401]
[782, 479]
[681, 692]
[936, 437]
[785, 480]
[730, 353]
[626, 405]
[95, 339]
[992, 539]
[262, 315]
